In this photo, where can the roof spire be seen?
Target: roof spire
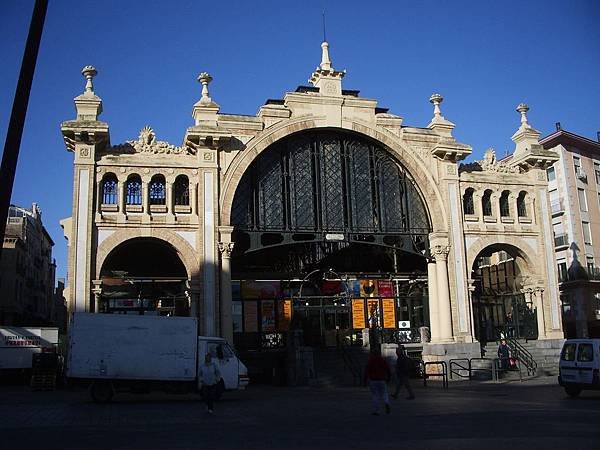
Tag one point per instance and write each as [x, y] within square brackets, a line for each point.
[89, 72]
[325, 61]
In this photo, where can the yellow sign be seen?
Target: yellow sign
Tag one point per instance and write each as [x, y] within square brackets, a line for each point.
[389, 313]
[358, 313]
[285, 315]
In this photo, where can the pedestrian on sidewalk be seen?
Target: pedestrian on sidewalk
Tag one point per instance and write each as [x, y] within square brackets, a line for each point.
[403, 368]
[377, 374]
[210, 377]
[504, 354]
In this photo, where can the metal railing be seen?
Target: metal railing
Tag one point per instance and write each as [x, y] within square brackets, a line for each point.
[459, 366]
[443, 375]
[522, 355]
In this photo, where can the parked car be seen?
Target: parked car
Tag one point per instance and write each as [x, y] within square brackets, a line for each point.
[579, 367]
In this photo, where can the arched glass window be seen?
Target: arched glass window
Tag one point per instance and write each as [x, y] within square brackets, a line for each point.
[181, 190]
[109, 190]
[486, 203]
[521, 204]
[468, 205]
[504, 205]
[133, 190]
[157, 190]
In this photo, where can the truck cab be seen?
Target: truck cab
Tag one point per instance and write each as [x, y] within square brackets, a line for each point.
[234, 374]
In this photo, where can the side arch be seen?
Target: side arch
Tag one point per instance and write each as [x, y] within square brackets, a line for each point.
[184, 250]
[425, 182]
[519, 249]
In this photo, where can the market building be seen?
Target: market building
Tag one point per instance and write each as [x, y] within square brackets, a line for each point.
[323, 213]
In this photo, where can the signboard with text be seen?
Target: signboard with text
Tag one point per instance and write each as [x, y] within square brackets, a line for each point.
[358, 313]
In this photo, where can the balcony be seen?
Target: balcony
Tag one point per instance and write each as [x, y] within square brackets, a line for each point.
[561, 240]
[556, 206]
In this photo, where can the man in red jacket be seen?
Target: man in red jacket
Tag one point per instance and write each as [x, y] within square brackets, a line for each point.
[377, 374]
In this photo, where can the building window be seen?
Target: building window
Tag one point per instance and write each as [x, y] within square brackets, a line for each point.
[560, 237]
[582, 200]
[551, 173]
[522, 204]
[590, 264]
[134, 190]
[504, 205]
[109, 190]
[597, 173]
[468, 205]
[577, 165]
[157, 190]
[182, 190]
[562, 271]
[587, 235]
[486, 203]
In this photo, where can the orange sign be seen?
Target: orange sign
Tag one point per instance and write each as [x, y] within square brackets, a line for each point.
[389, 313]
[285, 314]
[358, 313]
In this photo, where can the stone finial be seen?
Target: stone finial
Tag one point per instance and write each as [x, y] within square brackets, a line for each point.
[523, 108]
[204, 78]
[436, 99]
[89, 72]
[325, 61]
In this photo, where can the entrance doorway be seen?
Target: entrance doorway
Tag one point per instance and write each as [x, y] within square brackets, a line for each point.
[324, 321]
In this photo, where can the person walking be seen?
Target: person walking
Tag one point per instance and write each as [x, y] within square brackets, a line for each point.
[377, 374]
[210, 377]
[403, 368]
[504, 355]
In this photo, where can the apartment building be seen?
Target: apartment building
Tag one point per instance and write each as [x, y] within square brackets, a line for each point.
[574, 190]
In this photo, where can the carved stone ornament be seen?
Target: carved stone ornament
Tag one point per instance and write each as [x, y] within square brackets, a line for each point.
[226, 248]
[147, 143]
[489, 163]
[440, 251]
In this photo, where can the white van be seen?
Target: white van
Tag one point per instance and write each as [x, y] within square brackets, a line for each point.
[579, 366]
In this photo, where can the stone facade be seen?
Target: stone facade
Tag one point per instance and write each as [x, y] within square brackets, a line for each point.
[218, 150]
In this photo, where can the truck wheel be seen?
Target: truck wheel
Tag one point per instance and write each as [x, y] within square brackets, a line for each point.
[572, 391]
[102, 392]
[219, 390]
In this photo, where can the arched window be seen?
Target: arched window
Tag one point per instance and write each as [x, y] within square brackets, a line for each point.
[486, 203]
[181, 190]
[133, 190]
[109, 189]
[522, 204]
[504, 205]
[157, 190]
[468, 205]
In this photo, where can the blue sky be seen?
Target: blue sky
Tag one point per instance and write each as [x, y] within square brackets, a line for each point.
[484, 57]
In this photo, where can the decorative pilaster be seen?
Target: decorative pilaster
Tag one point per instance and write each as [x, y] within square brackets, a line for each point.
[225, 249]
[440, 253]
[434, 316]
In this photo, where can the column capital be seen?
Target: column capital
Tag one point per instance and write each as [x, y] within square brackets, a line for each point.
[226, 248]
[440, 252]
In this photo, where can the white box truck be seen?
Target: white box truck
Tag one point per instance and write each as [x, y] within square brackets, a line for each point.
[19, 344]
[116, 353]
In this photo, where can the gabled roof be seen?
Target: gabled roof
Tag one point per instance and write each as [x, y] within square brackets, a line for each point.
[571, 139]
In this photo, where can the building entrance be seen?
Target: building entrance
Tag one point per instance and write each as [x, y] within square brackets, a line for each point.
[324, 321]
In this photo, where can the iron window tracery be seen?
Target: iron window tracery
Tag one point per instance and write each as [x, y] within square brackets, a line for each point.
[109, 190]
[504, 205]
[486, 203]
[181, 190]
[468, 203]
[327, 182]
[521, 205]
[133, 190]
[157, 190]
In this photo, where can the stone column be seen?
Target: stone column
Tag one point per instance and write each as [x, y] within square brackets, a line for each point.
[122, 195]
[537, 297]
[225, 248]
[145, 196]
[440, 253]
[169, 195]
[434, 318]
[97, 291]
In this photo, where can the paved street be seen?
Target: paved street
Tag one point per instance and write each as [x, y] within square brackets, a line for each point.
[534, 414]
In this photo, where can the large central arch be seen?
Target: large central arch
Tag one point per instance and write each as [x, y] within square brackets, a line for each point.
[415, 167]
